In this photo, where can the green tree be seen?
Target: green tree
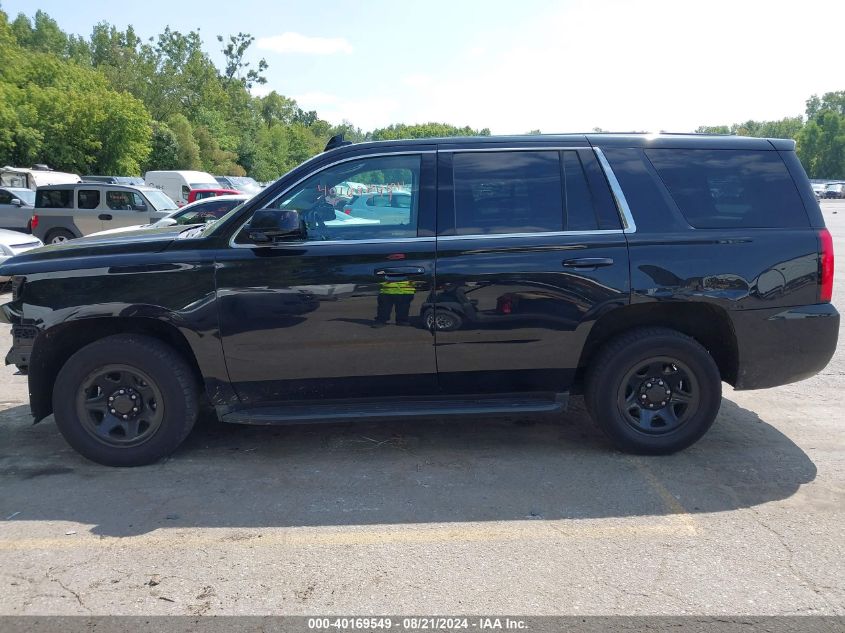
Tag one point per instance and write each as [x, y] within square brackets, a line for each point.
[164, 148]
[188, 152]
[821, 145]
[236, 68]
[425, 130]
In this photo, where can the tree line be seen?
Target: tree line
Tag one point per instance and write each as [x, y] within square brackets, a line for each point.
[819, 135]
[115, 103]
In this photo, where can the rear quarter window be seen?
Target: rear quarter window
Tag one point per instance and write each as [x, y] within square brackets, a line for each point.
[730, 188]
[54, 198]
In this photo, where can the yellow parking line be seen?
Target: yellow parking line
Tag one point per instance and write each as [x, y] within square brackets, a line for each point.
[679, 512]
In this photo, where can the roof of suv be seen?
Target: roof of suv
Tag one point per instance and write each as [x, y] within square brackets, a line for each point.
[678, 141]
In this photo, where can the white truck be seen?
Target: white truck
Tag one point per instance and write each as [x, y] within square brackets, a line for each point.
[178, 183]
[37, 176]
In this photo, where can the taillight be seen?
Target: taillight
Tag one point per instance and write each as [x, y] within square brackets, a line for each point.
[826, 265]
[348, 211]
[34, 222]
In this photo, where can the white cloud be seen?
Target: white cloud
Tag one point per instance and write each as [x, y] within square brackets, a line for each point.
[260, 90]
[644, 72]
[476, 52]
[290, 42]
[315, 99]
[417, 80]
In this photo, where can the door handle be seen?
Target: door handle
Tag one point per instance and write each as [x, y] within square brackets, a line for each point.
[105, 216]
[587, 262]
[403, 271]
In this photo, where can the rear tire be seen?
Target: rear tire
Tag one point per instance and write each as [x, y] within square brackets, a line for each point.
[125, 400]
[653, 391]
[58, 236]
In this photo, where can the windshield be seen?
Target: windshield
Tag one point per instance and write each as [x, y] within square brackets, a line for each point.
[27, 195]
[208, 229]
[160, 200]
[204, 213]
[245, 184]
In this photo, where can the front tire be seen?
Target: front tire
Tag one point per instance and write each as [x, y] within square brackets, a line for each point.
[653, 391]
[125, 400]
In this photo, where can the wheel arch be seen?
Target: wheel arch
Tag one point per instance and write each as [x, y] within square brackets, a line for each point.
[54, 346]
[708, 324]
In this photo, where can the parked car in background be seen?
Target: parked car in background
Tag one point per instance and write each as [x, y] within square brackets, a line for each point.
[243, 184]
[835, 190]
[65, 212]
[16, 208]
[178, 183]
[136, 181]
[818, 189]
[14, 243]
[201, 194]
[37, 176]
[200, 212]
[390, 207]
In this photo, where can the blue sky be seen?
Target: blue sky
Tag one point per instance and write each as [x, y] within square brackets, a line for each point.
[517, 66]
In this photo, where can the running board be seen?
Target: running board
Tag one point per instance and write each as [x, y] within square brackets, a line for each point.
[369, 409]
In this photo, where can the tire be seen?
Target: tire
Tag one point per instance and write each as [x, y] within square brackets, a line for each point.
[151, 375]
[445, 320]
[631, 374]
[58, 236]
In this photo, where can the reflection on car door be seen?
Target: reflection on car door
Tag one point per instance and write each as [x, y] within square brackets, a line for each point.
[299, 320]
[13, 216]
[530, 252]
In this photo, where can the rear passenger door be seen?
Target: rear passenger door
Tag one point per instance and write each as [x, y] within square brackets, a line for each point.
[530, 252]
[89, 213]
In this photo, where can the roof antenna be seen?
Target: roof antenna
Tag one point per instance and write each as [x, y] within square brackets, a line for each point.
[336, 141]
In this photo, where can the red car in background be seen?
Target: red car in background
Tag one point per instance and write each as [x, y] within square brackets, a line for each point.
[199, 194]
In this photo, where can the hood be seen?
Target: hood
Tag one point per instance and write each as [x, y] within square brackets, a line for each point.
[53, 256]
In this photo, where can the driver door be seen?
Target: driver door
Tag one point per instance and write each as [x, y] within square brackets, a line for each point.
[300, 319]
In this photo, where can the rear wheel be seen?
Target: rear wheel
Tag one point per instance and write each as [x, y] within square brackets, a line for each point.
[653, 390]
[125, 400]
[59, 236]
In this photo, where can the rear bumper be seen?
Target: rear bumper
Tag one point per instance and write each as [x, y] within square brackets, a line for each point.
[783, 345]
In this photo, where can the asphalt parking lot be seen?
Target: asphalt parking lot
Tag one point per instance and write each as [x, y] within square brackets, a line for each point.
[474, 516]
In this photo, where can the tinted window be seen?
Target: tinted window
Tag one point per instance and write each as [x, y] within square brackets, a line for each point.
[730, 188]
[507, 192]
[54, 198]
[89, 198]
[334, 202]
[580, 215]
[5, 197]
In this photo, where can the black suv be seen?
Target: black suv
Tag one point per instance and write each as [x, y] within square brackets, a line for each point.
[442, 276]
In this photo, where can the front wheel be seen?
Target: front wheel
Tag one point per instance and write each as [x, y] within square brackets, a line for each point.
[653, 390]
[125, 400]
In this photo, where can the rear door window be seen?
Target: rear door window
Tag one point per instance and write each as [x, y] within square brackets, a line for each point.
[730, 188]
[89, 198]
[507, 192]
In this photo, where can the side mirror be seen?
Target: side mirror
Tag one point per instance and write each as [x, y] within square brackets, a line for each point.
[273, 225]
[17, 202]
[166, 222]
